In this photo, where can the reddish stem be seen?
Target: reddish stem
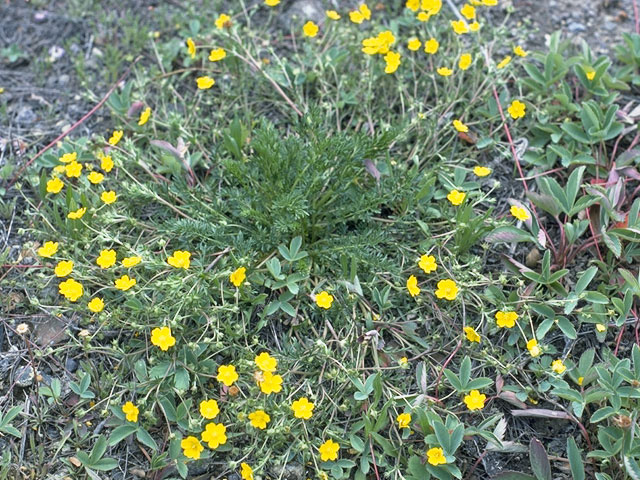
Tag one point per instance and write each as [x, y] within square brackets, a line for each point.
[75, 125]
[635, 14]
[517, 161]
[445, 366]
[373, 458]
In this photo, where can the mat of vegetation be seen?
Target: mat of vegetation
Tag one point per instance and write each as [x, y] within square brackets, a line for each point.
[353, 242]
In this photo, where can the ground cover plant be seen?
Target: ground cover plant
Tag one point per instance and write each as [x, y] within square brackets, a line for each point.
[374, 241]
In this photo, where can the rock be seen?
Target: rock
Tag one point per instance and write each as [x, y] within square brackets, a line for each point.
[71, 365]
[26, 116]
[301, 11]
[290, 471]
[575, 27]
[50, 331]
[24, 376]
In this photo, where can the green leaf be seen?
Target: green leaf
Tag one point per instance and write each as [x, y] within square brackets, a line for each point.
[98, 449]
[585, 279]
[632, 468]
[181, 379]
[539, 460]
[465, 371]
[105, 464]
[567, 328]
[602, 413]
[575, 460]
[143, 437]
[442, 434]
[120, 433]
[575, 132]
[509, 234]
[357, 443]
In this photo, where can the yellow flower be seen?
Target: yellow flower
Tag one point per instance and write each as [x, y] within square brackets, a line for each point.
[364, 11]
[413, 5]
[64, 268]
[270, 383]
[519, 51]
[73, 169]
[414, 44]
[465, 61]
[456, 197]
[481, 171]
[489, 3]
[558, 367]
[475, 400]
[129, 262]
[144, 116]
[191, 47]
[209, 409]
[471, 334]
[214, 434]
[96, 305]
[310, 29]
[302, 408]
[474, 27]
[106, 163]
[459, 26]
[324, 300]
[520, 213]
[431, 46]
[403, 362]
[379, 44]
[333, 15]
[329, 451]
[108, 196]
[428, 263]
[223, 21]
[227, 374]
[69, 157]
[191, 447]
[591, 74]
[580, 381]
[504, 62]
[71, 289]
[444, 71]
[404, 420]
[532, 346]
[435, 456]
[412, 286]
[431, 6]
[271, 3]
[506, 319]
[259, 419]
[447, 289]
[131, 412]
[48, 249]
[180, 259]
[217, 54]
[124, 283]
[468, 12]
[115, 137]
[106, 259]
[459, 126]
[161, 337]
[517, 109]
[599, 327]
[392, 60]
[238, 276]
[423, 16]
[356, 17]
[246, 471]
[77, 214]
[266, 362]
[55, 185]
[204, 83]
[95, 177]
